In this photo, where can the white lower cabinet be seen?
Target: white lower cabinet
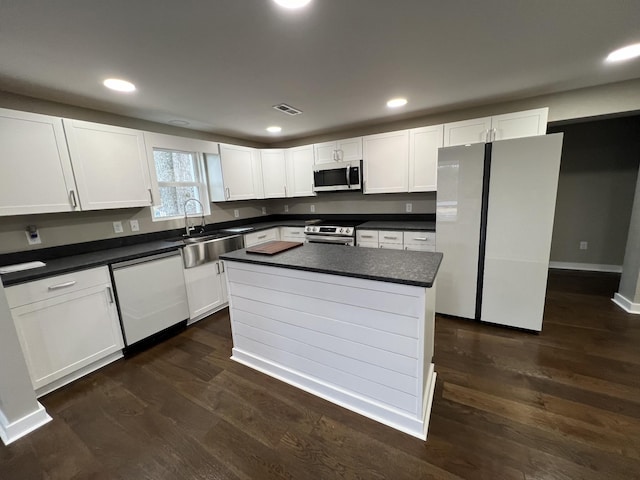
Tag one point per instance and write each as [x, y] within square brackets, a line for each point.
[397, 240]
[256, 238]
[206, 289]
[292, 234]
[67, 326]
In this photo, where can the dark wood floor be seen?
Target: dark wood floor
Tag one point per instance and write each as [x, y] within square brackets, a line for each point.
[564, 404]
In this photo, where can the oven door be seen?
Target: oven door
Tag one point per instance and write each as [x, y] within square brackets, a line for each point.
[330, 239]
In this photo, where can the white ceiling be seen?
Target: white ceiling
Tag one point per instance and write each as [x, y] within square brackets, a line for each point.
[222, 64]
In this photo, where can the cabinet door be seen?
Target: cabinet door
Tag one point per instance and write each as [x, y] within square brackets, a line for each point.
[274, 173]
[256, 238]
[204, 289]
[519, 124]
[349, 149]
[110, 165]
[386, 162]
[468, 131]
[238, 172]
[36, 170]
[324, 152]
[63, 334]
[423, 157]
[300, 171]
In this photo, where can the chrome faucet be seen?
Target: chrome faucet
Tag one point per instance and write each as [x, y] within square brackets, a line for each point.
[189, 229]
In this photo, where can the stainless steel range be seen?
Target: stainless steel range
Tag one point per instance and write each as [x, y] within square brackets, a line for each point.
[337, 235]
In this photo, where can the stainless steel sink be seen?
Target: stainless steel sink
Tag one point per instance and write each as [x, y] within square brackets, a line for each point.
[208, 248]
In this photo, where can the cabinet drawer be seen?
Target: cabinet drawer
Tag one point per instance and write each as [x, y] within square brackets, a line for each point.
[367, 236]
[419, 238]
[390, 237]
[391, 246]
[51, 287]
[425, 247]
[368, 244]
[256, 238]
[297, 232]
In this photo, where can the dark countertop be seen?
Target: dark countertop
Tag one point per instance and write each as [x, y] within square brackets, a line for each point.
[402, 225]
[258, 226]
[84, 261]
[394, 266]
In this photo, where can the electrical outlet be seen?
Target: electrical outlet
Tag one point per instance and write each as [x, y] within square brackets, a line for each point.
[117, 227]
[584, 245]
[135, 226]
[409, 207]
[33, 236]
[264, 210]
[286, 208]
[313, 208]
[236, 213]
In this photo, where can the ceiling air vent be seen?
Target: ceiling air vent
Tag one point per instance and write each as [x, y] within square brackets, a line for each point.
[288, 109]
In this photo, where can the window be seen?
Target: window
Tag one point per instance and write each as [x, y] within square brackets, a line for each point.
[180, 176]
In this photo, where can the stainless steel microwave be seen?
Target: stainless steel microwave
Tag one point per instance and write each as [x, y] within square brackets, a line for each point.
[329, 177]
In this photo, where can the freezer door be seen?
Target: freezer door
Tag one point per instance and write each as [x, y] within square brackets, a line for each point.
[458, 214]
[521, 206]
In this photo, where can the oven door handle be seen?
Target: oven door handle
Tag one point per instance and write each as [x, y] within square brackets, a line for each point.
[337, 241]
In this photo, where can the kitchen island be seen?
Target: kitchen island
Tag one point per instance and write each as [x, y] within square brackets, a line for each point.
[354, 326]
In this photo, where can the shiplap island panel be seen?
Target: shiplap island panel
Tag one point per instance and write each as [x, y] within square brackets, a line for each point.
[355, 338]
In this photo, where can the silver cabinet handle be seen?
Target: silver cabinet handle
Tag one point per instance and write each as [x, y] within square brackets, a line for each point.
[340, 154]
[62, 285]
[348, 182]
[110, 294]
[151, 195]
[218, 268]
[285, 190]
[260, 237]
[422, 239]
[72, 197]
[228, 193]
[294, 233]
[366, 236]
[389, 238]
[222, 265]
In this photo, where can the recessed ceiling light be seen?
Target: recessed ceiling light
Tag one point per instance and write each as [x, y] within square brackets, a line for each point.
[397, 102]
[624, 53]
[292, 3]
[119, 85]
[274, 129]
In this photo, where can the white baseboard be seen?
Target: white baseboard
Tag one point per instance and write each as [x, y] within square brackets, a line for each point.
[627, 305]
[588, 267]
[10, 432]
[393, 418]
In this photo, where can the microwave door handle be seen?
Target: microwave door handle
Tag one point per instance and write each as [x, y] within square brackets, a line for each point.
[348, 177]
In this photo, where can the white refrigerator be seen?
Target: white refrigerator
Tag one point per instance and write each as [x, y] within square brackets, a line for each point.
[494, 220]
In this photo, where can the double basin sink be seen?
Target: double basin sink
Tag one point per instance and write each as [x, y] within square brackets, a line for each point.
[208, 248]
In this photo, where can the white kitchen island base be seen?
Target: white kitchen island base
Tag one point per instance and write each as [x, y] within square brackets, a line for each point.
[363, 344]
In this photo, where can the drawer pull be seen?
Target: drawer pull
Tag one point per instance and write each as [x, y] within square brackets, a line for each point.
[294, 233]
[217, 268]
[222, 265]
[62, 285]
[422, 239]
[390, 238]
[366, 236]
[262, 236]
[110, 294]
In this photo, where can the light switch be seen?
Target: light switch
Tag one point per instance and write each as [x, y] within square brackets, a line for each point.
[117, 227]
[135, 226]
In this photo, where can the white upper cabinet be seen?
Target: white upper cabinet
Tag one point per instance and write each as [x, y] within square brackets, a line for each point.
[36, 170]
[300, 171]
[386, 162]
[274, 173]
[467, 131]
[499, 127]
[110, 165]
[423, 158]
[345, 150]
[519, 124]
[239, 166]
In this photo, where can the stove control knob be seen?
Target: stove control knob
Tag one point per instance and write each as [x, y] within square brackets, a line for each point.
[315, 229]
[341, 230]
[347, 231]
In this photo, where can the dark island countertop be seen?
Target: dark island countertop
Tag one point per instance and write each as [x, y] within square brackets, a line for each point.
[74, 263]
[399, 225]
[394, 266]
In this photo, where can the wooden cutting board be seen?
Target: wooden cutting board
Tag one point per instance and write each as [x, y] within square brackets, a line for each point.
[271, 248]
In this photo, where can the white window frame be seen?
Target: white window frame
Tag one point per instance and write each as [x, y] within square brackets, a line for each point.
[201, 183]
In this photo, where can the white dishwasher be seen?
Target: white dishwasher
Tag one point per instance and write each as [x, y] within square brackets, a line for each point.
[151, 295]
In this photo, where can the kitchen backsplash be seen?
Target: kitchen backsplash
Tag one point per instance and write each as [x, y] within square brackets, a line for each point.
[75, 227]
